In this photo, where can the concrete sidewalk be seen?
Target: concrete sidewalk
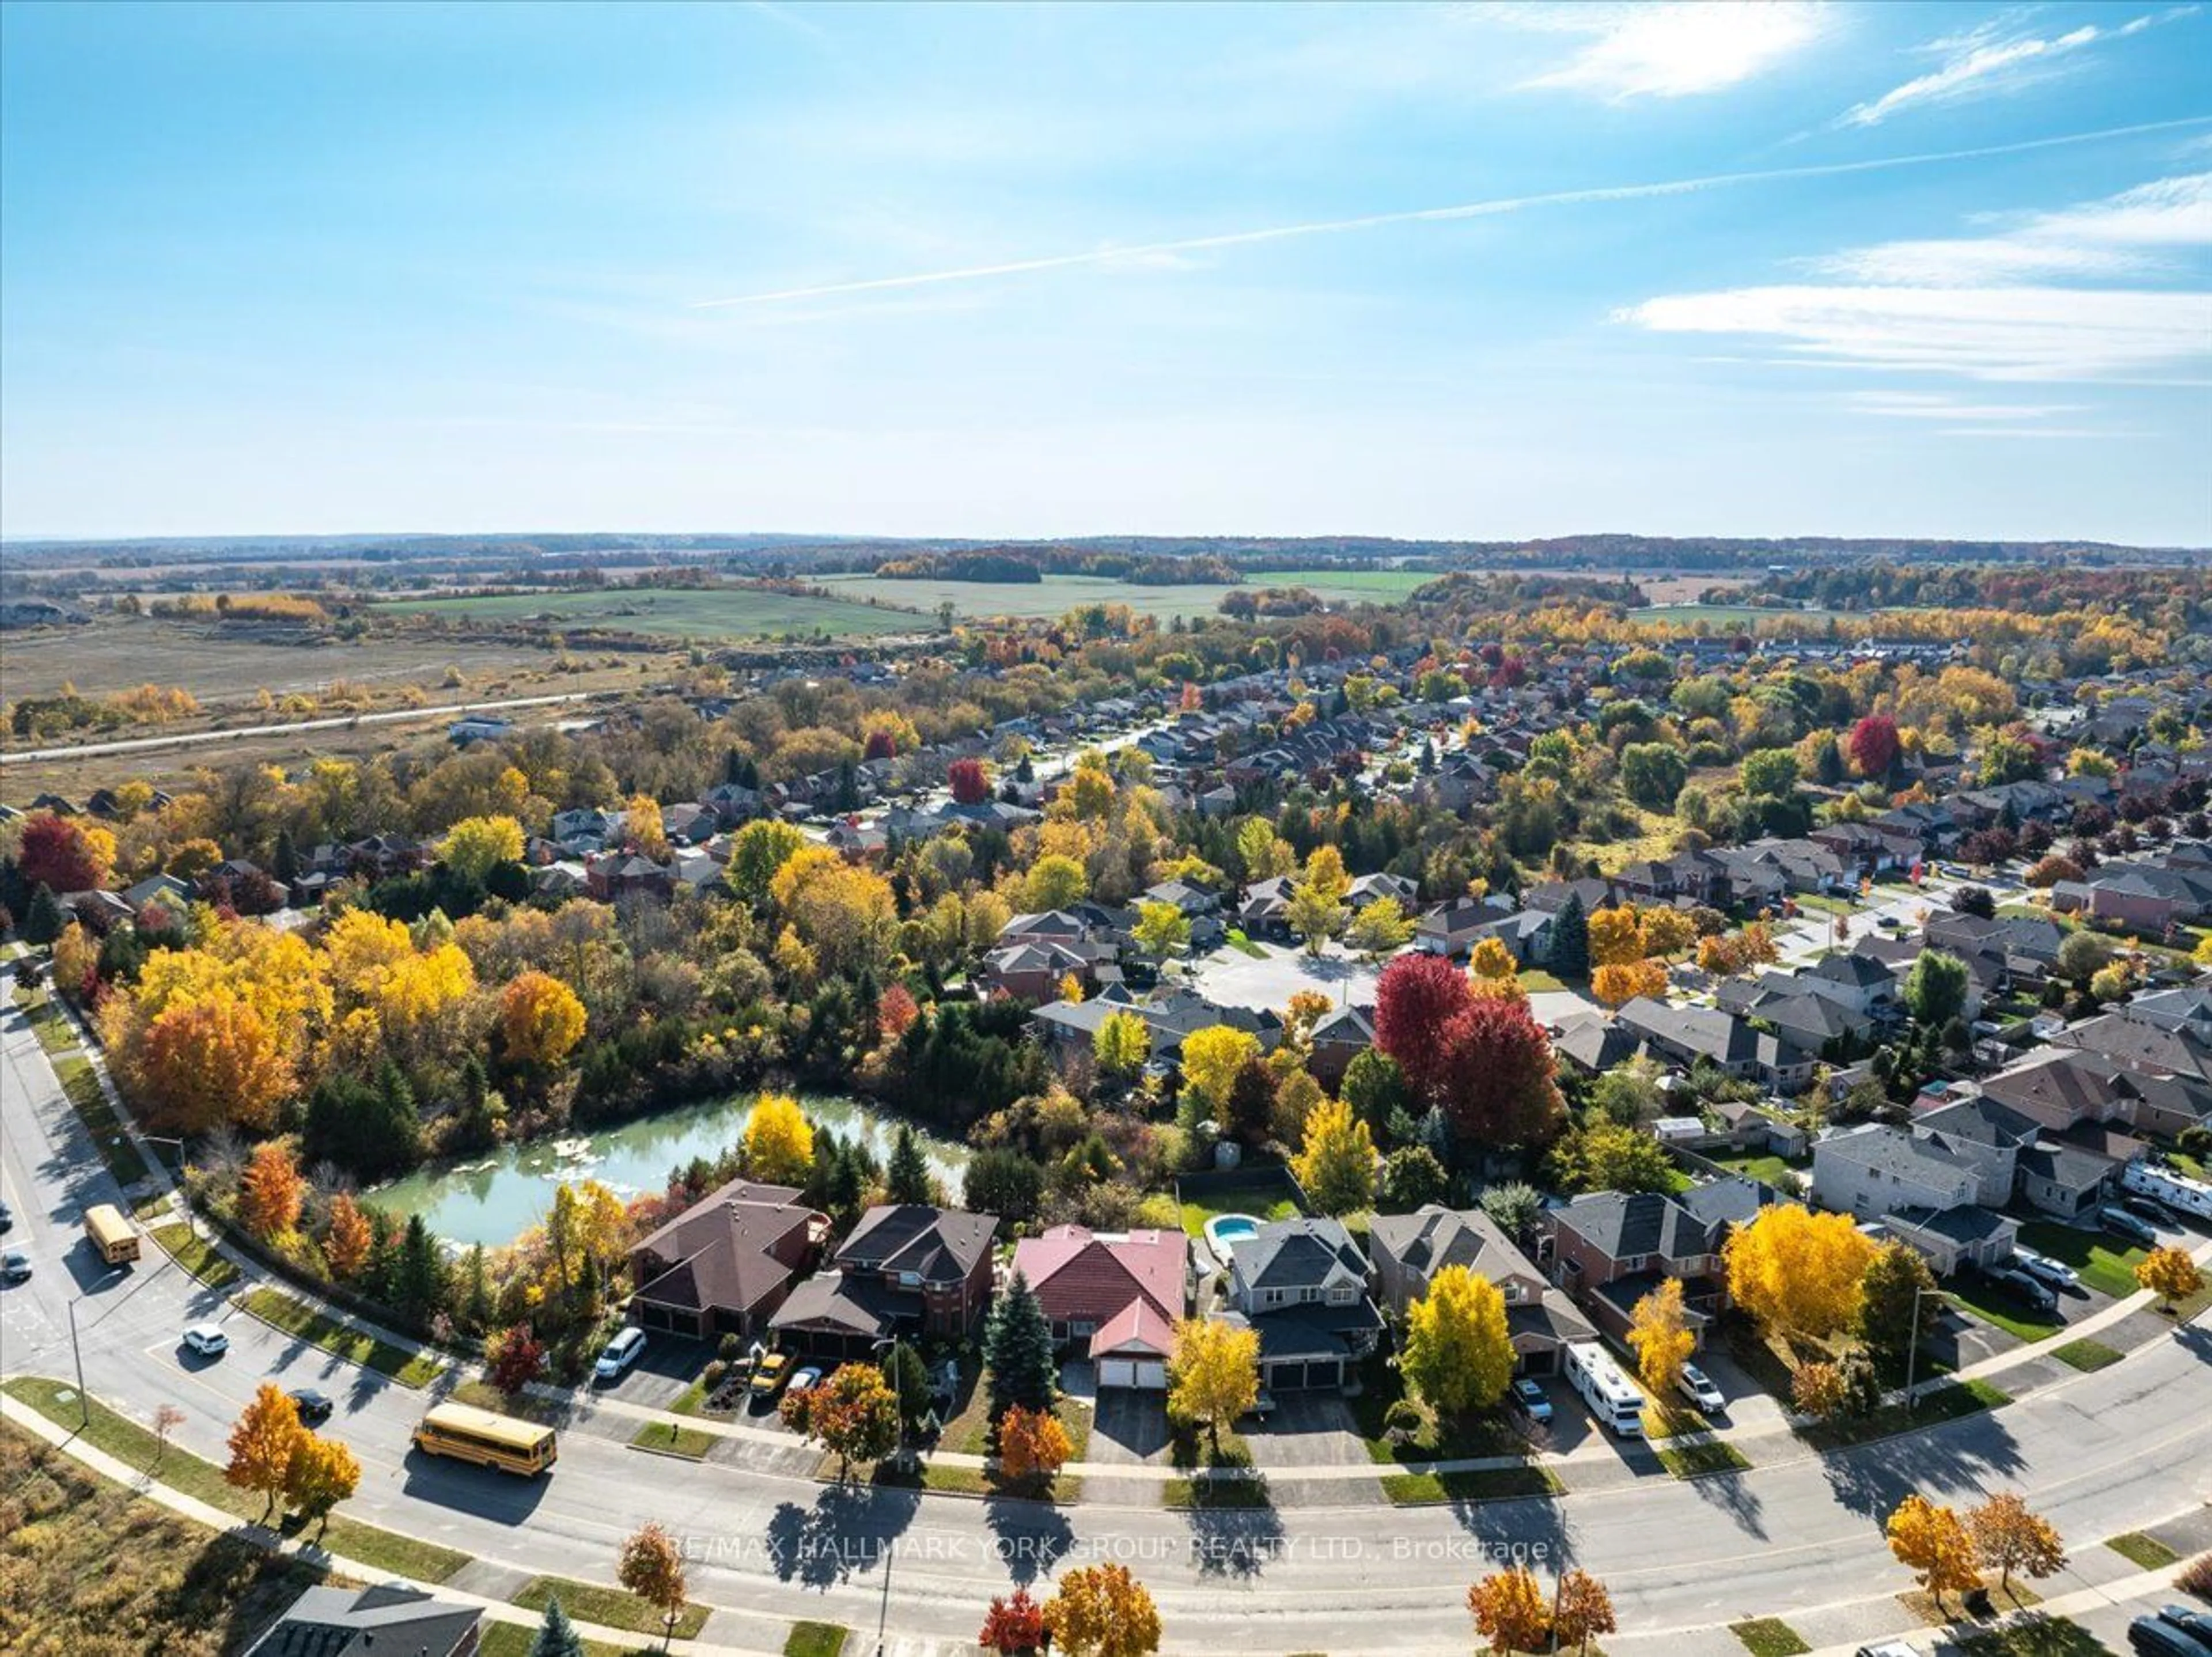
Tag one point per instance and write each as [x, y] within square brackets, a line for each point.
[143, 1484]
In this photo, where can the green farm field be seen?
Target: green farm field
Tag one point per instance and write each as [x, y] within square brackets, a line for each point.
[1057, 594]
[677, 613]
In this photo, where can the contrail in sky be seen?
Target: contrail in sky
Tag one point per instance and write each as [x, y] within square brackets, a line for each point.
[1439, 215]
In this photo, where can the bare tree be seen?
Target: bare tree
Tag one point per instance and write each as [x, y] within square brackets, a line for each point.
[167, 1420]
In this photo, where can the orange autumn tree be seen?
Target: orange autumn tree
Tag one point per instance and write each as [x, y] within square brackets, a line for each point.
[1101, 1611]
[261, 1443]
[1617, 983]
[1932, 1543]
[1510, 1611]
[212, 1062]
[270, 1192]
[346, 1242]
[1032, 1445]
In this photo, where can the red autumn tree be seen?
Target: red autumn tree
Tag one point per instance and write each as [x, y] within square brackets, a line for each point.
[881, 745]
[56, 854]
[513, 1358]
[1417, 997]
[895, 1011]
[1014, 1625]
[971, 783]
[1874, 744]
[1500, 1083]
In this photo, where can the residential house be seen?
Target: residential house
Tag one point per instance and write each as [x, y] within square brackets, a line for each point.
[1408, 1250]
[1924, 1192]
[1610, 1248]
[1686, 1034]
[1112, 1297]
[1302, 1284]
[909, 1270]
[725, 1265]
[390, 1617]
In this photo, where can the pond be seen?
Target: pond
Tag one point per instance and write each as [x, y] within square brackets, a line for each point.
[495, 1199]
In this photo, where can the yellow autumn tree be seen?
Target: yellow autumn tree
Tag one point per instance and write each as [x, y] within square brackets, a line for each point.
[474, 846]
[1795, 1270]
[1617, 983]
[2169, 1273]
[1213, 1375]
[642, 828]
[1336, 1168]
[540, 1020]
[1457, 1354]
[779, 1141]
[1101, 1611]
[1211, 1058]
[262, 1443]
[209, 1062]
[1933, 1543]
[1492, 959]
[1616, 937]
[1511, 1610]
[1659, 1331]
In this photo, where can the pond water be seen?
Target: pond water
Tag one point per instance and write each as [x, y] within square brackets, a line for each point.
[493, 1200]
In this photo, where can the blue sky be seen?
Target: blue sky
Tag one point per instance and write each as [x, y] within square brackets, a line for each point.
[1475, 271]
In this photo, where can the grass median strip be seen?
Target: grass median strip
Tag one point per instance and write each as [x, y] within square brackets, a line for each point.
[182, 1471]
[2147, 1552]
[815, 1639]
[196, 1254]
[1483, 1484]
[1950, 1402]
[355, 1345]
[1216, 1493]
[117, 1148]
[608, 1607]
[1769, 1637]
[669, 1439]
[2087, 1355]
[1696, 1461]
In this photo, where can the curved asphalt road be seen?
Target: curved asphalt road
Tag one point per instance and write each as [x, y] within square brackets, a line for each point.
[2101, 1455]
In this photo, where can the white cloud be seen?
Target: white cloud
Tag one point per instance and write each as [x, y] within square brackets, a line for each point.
[1934, 406]
[1994, 57]
[2128, 234]
[1674, 49]
[1992, 333]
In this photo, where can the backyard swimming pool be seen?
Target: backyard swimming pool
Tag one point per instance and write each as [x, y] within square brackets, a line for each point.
[1224, 1231]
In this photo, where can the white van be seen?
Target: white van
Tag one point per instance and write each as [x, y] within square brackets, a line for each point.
[621, 1352]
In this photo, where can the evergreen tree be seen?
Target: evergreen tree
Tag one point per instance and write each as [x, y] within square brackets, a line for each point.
[45, 922]
[476, 1305]
[557, 1637]
[1571, 939]
[1018, 1351]
[419, 1287]
[907, 1377]
[908, 1180]
[284, 861]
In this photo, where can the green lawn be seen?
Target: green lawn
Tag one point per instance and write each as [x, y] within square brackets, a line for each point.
[815, 1639]
[608, 1607]
[1946, 1403]
[2147, 1552]
[2087, 1355]
[515, 1640]
[1216, 1493]
[1770, 1636]
[678, 612]
[669, 1439]
[1696, 1461]
[126, 1440]
[1266, 1195]
[1769, 1169]
[1490, 1484]
[1243, 945]
[1994, 1304]
[116, 1147]
[1537, 981]
[1055, 595]
[196, 1254]
[2104, 1264]
[408, 1369]
[2034, 1635]
[969, 1433]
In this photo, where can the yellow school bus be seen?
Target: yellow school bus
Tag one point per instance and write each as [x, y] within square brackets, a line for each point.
[115, 1237]
[486, 1438]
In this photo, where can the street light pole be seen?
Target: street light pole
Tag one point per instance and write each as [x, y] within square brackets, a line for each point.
[83, 1401]
[1913, 1345]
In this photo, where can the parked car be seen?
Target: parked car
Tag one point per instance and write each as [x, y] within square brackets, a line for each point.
[14, 1266]
[314, 1407]
[1887, 1649]
[207, 1339]
[1530, 1397]
[2133, 1227]
[1263, 1404]
[7, 1218]
[2149, 1208]
[2037, 1294]
[1697, 1386]
[2153, 1636]
[621, 1352]
[2056, 1273]
[2188, 1621]
[768, 1373]
[804, 1381]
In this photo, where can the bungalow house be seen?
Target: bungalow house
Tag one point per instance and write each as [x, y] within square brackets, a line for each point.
[327, 1621]
[1112, 1297]
[1610, 1248]
[725, 1265]
[1408, 1250]
[1302, 1284]
[909, 1270]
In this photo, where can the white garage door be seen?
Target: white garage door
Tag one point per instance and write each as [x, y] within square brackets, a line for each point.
[1147, 1374]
